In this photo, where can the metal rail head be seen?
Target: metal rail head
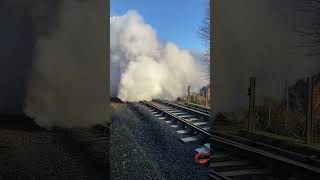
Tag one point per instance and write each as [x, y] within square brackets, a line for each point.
[194, 127]
[206, 109]
[265, 154]
[218, 176]
[189, 109]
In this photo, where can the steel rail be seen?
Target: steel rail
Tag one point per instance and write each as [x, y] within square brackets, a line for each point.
[217, 176]
[297, 156]
[198, 106]
[265, 154]
[178, 118]
[207, 115]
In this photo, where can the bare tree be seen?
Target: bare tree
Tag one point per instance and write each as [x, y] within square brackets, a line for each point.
[311, 33]
[205, 28]
[205, 37]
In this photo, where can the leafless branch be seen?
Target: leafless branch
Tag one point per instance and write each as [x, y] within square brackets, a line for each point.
[311, 35]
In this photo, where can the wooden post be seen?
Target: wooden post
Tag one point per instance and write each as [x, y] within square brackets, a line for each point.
[269, 113]
[206, 96]
[287, 105]
[309, 113]
[251, 93]
[188, 98]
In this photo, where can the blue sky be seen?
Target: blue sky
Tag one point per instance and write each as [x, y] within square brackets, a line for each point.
[177, 21]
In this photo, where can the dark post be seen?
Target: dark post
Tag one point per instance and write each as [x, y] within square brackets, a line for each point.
[206, 95]
[251, 93]
[309, 118]
[188, 98]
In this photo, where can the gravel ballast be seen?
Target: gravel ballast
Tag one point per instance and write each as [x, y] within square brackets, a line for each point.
[144, 147]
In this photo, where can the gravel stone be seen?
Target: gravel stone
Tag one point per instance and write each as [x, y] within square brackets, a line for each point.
[144, 147]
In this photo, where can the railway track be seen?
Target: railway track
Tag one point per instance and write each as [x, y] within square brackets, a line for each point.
[192, 108]
[197, 107]
[232, 159]
[191, 125]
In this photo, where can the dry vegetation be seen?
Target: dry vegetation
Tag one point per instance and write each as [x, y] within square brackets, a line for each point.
[275, 117]
[197, 99]
[116, 105]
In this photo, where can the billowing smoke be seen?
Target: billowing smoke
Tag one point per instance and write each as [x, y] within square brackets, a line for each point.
[142, 68]
[67, 85]
[257, 38]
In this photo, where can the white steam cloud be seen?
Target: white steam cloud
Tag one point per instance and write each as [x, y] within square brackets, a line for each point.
[142, 68]
[67, 85]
